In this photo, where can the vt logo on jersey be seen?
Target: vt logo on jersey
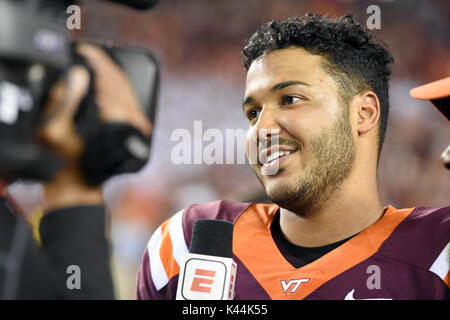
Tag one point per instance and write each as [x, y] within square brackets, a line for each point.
[293, 285]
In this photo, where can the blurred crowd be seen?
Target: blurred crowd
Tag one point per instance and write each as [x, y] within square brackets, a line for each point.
[198, 44]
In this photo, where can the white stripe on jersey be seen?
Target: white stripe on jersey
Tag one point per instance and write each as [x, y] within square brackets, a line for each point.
[157, 270]
[179, 247]
[442, 264]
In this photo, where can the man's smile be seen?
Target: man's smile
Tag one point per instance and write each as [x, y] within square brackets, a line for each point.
[271, 158]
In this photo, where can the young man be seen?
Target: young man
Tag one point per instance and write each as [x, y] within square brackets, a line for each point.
[317, 96]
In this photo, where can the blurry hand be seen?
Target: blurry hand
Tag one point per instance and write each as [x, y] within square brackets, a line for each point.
[117, 102]
[58, 133]
[115, 96]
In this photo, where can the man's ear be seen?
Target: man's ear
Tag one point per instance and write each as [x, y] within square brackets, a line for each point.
[366, 108]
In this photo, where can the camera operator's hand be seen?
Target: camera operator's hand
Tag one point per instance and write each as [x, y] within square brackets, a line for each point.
[117, 102]
[59, 134]
[115, 96]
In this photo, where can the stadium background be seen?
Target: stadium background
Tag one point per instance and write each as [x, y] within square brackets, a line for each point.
[198, 44]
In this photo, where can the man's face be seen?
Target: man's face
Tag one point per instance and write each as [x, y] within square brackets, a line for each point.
[291, 98]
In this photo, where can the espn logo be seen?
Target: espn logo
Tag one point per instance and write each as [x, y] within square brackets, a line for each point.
[206, 278]
[203, 280]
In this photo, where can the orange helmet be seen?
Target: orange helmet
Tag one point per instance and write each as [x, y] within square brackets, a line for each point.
[438, 93]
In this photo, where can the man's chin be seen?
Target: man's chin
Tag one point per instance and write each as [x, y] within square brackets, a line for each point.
[295, 199]
[280, 194]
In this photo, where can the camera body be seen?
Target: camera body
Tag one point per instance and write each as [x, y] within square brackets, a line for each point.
[35, 52]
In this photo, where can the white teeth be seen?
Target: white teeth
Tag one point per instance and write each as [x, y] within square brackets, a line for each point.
[275, 155]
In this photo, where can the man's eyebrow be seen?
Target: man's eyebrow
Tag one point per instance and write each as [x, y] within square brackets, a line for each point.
[285, 84]
[247, 101]
[278, 87]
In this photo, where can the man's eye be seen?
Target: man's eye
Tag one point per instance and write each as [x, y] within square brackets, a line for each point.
[290, 99]
[253, 114]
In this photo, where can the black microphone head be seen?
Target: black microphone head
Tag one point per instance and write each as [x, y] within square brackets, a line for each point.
[212, 237]
[137, 4]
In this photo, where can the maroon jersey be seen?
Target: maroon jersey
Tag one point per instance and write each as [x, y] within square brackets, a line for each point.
[404, 255]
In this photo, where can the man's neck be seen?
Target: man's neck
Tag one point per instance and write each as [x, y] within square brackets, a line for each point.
[347, 212]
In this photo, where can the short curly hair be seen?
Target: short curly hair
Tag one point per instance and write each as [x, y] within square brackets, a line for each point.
[352, 55]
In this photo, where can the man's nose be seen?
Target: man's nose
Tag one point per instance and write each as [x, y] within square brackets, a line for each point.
[267, 125]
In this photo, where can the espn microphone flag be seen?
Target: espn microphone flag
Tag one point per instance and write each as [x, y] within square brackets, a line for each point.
[208, 271]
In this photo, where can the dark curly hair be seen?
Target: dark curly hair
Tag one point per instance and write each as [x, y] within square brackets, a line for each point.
[352, 55]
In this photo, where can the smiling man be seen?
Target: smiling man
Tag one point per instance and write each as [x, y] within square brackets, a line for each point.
[317, 102]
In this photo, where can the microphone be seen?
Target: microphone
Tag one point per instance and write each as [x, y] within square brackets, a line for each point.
[208, 271]
[137, 4]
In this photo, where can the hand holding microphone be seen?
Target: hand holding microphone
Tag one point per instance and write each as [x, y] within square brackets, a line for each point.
[208, 271]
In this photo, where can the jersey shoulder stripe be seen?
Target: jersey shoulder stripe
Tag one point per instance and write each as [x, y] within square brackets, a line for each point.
[441, 266]
[166, 249]
[158, 273]
[422, 239]
[170, 242]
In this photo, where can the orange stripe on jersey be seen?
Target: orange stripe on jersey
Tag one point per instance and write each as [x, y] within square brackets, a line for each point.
[166, 252]
[447, 279]
[254, 246]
